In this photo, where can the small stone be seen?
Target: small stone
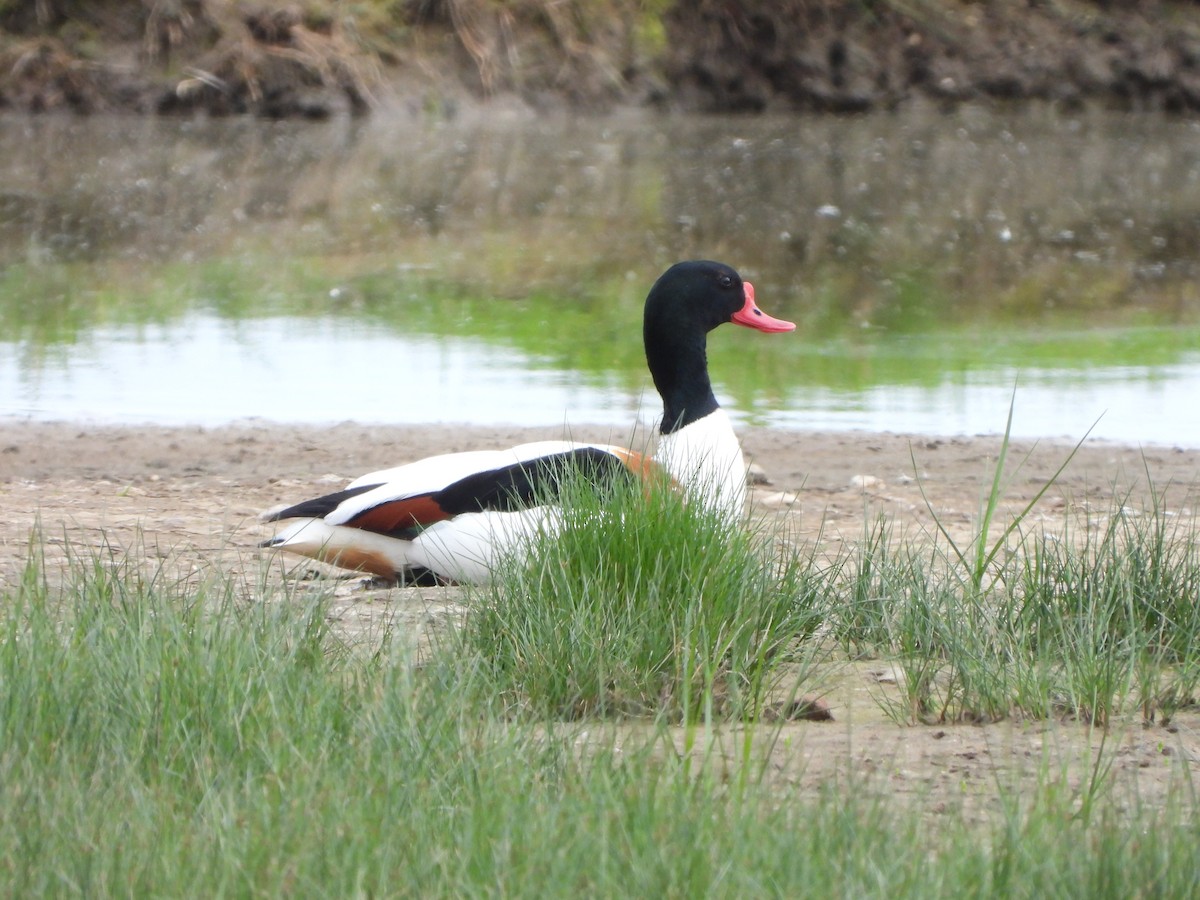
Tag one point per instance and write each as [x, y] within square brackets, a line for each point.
[866, 483]
[776, 499]
[886, 676]
[802, 709]
[756, 474]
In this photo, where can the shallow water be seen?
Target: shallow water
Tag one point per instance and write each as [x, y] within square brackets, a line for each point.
[210, 371]
[414, 271]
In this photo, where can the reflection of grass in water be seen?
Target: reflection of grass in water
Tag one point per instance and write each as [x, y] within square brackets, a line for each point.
[47, 309]
[599, 332]
[587, 318]
[63, 303]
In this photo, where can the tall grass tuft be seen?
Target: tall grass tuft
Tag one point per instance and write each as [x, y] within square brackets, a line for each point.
[874, 575]
[643, 604]
[1117, 608]
[1090, 621]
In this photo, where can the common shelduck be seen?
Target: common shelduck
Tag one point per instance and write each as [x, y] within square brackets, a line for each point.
[450, 518]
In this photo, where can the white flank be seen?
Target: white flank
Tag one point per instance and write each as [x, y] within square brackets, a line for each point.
[705, 458]
[463, 549]
[468, 547]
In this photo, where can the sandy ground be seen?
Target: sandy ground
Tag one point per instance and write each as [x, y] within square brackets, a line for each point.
[191, 497]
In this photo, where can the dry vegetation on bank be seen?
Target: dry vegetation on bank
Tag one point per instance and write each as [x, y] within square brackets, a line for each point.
[319, 58]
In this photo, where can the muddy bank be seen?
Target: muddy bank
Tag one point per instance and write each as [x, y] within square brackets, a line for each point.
[440, 56]
[200, 490]
[186, 501]
[189, 498]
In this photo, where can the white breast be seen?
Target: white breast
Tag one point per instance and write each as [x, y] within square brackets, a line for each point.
[706, 459]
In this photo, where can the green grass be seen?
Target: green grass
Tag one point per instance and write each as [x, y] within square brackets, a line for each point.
[164, 737]
[643, 604]
[1092, 622]
[164, 734]
[1119, 607]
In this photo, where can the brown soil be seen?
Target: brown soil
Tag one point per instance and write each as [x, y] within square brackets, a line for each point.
[190, 497]
[855, 56]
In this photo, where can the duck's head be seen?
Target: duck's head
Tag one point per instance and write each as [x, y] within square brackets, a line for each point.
[698, 295]
[689, 300]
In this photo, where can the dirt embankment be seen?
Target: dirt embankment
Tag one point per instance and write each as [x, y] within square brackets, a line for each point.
[322, 58]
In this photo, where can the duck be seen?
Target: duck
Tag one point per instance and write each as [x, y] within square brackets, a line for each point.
[450, 518]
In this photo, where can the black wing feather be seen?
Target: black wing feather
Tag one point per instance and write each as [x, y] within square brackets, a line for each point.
[319, 507]
[506, 489]
[526, 484]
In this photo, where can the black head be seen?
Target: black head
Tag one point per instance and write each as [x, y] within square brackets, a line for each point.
[694, 296]
[688, 301]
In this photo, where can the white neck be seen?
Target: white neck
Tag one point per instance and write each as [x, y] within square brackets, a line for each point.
[706, 459]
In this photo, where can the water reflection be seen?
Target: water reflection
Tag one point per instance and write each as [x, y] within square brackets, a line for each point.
[1135, 406]
[963, 200]
[861, 229]
[212, 371]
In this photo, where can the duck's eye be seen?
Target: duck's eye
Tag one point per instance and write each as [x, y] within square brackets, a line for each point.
[725, 280]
